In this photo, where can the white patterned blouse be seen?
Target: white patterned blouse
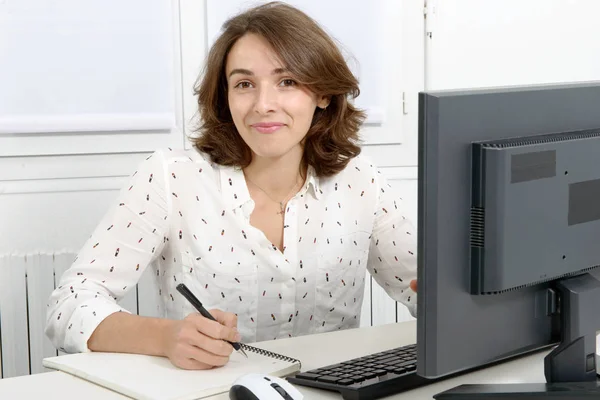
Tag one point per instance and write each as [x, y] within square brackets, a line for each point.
[189, 221]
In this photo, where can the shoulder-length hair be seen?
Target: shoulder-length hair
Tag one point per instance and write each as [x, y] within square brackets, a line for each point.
[313, 59]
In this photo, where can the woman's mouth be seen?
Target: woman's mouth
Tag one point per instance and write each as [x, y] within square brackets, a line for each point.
[267, 127]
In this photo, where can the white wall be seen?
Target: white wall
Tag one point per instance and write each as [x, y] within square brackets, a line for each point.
[475, 43]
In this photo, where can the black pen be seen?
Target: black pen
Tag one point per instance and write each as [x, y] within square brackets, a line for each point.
[187, 293]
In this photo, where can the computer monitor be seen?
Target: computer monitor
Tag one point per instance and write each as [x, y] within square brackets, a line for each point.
[509, 228]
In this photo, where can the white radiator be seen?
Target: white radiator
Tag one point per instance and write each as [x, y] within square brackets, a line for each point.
[26, 282]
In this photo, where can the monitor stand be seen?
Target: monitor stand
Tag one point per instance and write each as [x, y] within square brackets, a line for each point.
[525, 391]
[570, 369]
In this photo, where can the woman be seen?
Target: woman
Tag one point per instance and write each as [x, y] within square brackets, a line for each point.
[271, 219]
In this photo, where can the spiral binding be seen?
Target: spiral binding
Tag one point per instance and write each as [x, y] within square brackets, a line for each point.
[269, 354]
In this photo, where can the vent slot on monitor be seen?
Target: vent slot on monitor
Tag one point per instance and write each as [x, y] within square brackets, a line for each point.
[543, 139]
[477, 227]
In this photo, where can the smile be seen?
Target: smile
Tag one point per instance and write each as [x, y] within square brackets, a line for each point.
[268, 127]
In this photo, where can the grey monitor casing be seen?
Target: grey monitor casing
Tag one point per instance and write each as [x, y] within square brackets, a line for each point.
[456, 330]
[535, 212]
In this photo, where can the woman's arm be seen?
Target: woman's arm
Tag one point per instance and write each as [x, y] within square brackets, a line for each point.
[127, 333]
[393, 251]
[193, 343]
[129, 237]
[83, 313]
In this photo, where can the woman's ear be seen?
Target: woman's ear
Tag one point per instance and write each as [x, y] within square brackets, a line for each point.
[323, 102]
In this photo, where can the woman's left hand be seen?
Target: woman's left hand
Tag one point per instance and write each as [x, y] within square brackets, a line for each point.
[413, 285]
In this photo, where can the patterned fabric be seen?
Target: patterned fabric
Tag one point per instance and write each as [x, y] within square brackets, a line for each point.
[189, 221]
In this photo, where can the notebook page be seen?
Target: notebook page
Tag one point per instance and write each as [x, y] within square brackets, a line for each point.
[153, 378]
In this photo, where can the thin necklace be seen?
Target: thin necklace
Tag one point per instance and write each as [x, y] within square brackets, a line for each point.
[283, 202]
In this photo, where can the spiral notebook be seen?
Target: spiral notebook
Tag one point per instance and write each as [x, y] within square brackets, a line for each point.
[154, 378]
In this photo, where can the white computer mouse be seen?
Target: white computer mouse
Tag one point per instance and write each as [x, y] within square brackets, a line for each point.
[263, 387]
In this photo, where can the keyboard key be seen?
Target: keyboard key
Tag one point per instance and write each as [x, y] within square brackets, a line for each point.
[406, 363]
[399, 371]
[370, 375]
[307, 375]
[328, 379]
[380, 372]
[345, 381]
[394, 361]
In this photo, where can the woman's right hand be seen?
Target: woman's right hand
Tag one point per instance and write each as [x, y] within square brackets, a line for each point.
[200, 343]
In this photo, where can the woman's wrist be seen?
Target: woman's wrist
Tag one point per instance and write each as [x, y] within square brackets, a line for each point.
[164, 329]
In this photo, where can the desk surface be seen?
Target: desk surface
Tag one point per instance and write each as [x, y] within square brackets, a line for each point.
[314, 351]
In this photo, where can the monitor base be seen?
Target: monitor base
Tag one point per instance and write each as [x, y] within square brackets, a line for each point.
[525, 391]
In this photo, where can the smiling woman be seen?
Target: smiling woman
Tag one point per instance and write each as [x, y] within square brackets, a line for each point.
[271, 220]
[264, 100]
[279, 46]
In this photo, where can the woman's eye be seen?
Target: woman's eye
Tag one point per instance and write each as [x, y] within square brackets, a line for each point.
[243, 85]
[288, 82]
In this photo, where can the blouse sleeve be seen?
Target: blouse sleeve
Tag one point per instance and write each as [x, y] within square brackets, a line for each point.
[129, 237]
[392, 254]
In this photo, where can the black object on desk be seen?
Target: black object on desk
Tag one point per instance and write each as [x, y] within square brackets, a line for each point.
[370, 377]
[187, 293]
[525, 391]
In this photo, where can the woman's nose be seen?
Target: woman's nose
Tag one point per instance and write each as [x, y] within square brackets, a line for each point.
[266, 100]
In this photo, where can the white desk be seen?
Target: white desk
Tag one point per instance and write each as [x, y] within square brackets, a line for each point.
[314, 351]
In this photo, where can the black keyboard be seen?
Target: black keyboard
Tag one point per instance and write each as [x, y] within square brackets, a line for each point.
[370, 377]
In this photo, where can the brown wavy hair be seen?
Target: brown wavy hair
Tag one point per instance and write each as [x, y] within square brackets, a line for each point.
[313, 59]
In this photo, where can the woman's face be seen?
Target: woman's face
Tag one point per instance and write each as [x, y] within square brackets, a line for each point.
[270, 110]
